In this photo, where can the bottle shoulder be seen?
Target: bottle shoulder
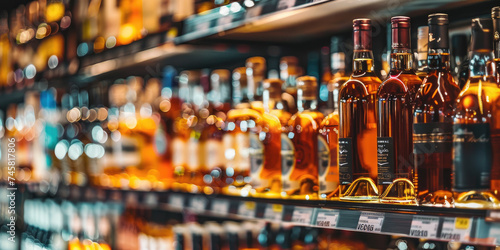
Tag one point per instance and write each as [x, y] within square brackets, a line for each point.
[330, 120]
[437, 88]
[306, 118]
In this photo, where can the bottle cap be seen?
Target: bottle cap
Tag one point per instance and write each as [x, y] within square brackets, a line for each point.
[257, 64]
[307, 86]
[438, 31]
[273, 86]
[482, 34]
[401, 32]
[495, 12]
[362, 34]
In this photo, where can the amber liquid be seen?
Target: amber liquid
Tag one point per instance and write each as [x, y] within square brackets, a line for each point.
[395, 115]
[304, 127]
[329, 132]
[358, 120]
[212, 155]
[434, 104]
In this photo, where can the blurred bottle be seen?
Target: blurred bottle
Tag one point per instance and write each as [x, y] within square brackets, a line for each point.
[460, 60]
[256, 73]
[131, 24]
[301, 179]
[422, 45]
[5, 50]
[495, 15]
[289, 71]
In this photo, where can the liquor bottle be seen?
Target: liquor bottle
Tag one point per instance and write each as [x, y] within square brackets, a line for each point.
[460, 61]
[328, 145]
[396, 97]
[256, 70]
[357, 121]
[423, 37]
[495, 15]
[301, 179]
[476, 130]
[433, 120]
[289, 71]
[339, 77]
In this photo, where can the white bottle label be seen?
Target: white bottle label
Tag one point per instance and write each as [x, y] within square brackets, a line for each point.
[178, 152]
[287, 163]
[214, 154]
[193, 155]
[256, 153]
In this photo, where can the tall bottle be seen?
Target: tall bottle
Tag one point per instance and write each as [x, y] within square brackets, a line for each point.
[433, 120]
[460, 61]
[357, 121]
[422, 45]
[256, 72]
[301, 179]
[495, 15]
[476, 128]
[289, 71]
[395, 103]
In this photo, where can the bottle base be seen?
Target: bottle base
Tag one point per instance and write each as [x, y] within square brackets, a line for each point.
[441, 198]
[400, 191]
[477, 200]
[362, 189]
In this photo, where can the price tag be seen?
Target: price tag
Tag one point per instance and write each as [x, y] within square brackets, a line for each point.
[220, 207]
[202, 27]
[456, 229]
[247, 209]
[370, 222]
[198, 204]
[285, 4]
[273, 212]
[151, 199]
[302, 215]
[176, 201]
[327, 218]
[224, 20]
[424, 226]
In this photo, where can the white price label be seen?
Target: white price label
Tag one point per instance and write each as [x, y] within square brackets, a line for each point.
[273, 212]
[202, 27]
[198, 204]
[456, 229]
[176, 201]
[247, 209]
[220, 207]
[327, 218]
[285, 4]
[224, 20]
[424, 226]
[253, 12]
[151, 199]
[370, 222]
[302, 215]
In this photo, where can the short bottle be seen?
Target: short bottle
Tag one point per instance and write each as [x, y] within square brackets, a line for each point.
[357, 122]
[395, 102]
[476, 128]
[301, 179]
[433, 120]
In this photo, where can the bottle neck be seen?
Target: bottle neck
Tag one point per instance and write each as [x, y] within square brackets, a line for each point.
[401, 59]
[482, 64]
[439, 59]
[363, 61]
[304, 104]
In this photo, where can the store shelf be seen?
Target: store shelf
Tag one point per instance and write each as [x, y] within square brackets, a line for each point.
[464, 225]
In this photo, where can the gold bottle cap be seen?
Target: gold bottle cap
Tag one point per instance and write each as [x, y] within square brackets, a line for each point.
[307, 86]
[273, 86]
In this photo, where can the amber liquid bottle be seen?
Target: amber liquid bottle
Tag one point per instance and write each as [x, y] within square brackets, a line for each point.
[495, 15]
[433, 120]
[423, 37]
[301, 179]
[476, 124]
[289, 71]
[357, 121]
[256, 71]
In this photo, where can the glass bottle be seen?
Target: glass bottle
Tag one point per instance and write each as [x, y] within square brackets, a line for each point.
[303, 175]
[357, 121]
[289, 71]
[394, 110]
[495, 15]
[256, 72]
[460, 61]
[339, 77]
[433, 120]
[476, 130]
[423, 37]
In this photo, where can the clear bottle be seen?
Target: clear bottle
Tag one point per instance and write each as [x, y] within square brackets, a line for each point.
[422, 45]
[256, 73]
[357, 121]
[476, 130]
[396, 97]
[433, 120]
[301, 180]
[330, 94]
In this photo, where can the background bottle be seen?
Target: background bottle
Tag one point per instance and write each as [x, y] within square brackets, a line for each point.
[476, 130]
[460, 59]
[289, 71]
[433, 120]
[357, 122]
[495, 15]
[422, 45]
[394, 110]
[302, 177]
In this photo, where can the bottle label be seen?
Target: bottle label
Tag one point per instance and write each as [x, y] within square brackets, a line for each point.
[345, 161]
[385, 160]
[178, 152]
[160, 142]
[126, 151]
[256, 153]
[214, 154]
[327, 166]
[472, 156]
[434, 137]
[287, 163]
[193, 154]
